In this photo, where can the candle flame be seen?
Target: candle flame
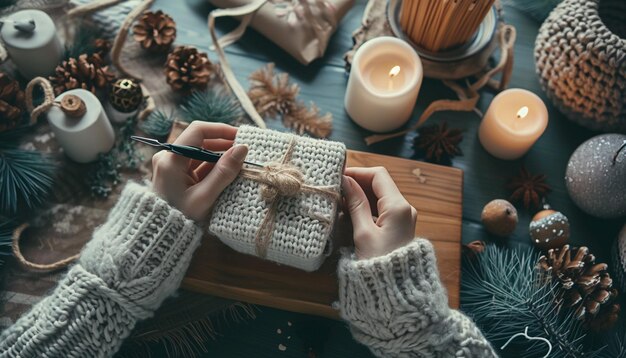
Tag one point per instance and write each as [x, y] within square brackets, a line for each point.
[395, 70]
[523, 112]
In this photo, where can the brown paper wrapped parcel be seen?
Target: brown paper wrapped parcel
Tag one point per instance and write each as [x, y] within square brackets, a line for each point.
[300, 27]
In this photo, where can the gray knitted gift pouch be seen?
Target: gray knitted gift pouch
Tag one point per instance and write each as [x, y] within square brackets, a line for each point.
[283, 212]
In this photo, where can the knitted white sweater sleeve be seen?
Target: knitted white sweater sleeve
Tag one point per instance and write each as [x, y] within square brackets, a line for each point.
[396, 305]
[133, 262]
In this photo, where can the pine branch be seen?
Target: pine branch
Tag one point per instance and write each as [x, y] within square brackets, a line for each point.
[504, 293]
[6, 236]
[26, 176]
[83, 41]
[211, 106]
[272, 94]
[158, 124]
[303, 119]
[106, 173]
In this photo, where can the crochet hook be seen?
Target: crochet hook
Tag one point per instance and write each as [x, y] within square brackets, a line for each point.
[187, 151]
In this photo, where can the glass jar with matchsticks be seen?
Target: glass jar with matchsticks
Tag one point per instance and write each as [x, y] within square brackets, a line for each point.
[454, 38]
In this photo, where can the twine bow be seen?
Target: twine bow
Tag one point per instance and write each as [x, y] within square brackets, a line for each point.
[280, 180]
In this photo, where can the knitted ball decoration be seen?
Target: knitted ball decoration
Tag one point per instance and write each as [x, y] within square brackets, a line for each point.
[580, 54]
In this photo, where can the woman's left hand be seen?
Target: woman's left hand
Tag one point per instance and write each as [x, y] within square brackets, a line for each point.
[193, 186]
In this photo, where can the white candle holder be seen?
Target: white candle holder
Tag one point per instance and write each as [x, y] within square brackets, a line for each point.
[31, 40]
[85, 136]
[385, 79]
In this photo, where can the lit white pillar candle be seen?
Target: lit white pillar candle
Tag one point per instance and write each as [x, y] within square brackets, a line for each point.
[516, 118]
[385, 79]
[31, 40]
[84, 135]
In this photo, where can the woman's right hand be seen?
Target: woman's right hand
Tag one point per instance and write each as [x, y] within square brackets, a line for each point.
[193, 186]
[382, 219]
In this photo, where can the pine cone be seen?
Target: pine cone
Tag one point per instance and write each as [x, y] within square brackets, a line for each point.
[11, 102]
[155, 31]
[584, 285]
[187, 69]
[102, 47]
[86, 71]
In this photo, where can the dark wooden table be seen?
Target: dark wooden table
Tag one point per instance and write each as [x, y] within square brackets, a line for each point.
[324, 82]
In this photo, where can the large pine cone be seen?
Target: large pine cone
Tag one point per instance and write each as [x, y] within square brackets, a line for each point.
[11, 102]
[584, 285]
[86, 71]
[155, 31]
[187, 69]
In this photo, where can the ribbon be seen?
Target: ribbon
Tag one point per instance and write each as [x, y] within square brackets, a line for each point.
[281, 179]
[468, 97]
[246, 13]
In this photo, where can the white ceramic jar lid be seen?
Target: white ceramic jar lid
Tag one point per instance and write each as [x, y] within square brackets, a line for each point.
[44, 31]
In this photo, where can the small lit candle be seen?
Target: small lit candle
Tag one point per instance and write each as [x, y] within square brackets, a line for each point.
[384, 81]
[516, 118]
[31, 40]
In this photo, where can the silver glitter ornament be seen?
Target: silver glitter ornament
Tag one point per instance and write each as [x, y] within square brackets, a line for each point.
[596, 176]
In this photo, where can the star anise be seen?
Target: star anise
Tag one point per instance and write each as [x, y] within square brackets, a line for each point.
[527, 188]
[438, 142]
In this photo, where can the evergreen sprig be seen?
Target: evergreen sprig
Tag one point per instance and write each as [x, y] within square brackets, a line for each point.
[83, 41]
[211, 106]
[106, 174]
[26, 176]
[6, 236]
[504, 293]
[158, 124]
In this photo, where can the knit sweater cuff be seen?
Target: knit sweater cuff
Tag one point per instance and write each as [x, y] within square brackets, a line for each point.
[381, 289]
[143, 249]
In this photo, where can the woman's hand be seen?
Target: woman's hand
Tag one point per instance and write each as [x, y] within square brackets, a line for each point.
[193, 186]
[382, 219]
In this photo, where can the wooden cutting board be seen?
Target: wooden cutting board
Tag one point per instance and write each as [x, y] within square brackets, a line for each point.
[218, 270]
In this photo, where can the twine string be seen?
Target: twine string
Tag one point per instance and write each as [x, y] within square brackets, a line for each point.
[525, 335]
[48, 101]
[17, 252]
[281, 179]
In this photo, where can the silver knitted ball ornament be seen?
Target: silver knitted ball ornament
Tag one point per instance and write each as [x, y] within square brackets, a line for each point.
[596, 176]
[580, 54]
